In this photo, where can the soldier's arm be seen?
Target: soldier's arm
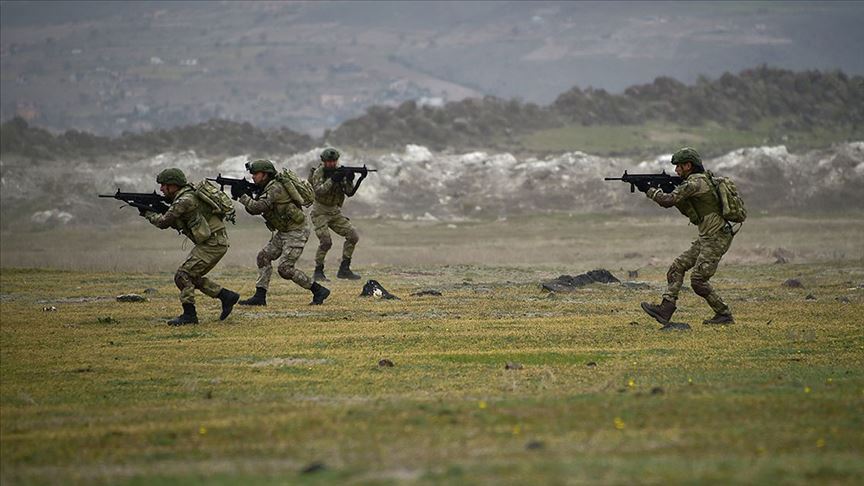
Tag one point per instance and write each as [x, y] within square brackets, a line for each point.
[682, 192]
[170, 218]
[257, 206]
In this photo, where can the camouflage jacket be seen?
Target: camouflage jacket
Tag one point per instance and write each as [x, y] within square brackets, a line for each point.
[695, 198]
[328, 193]
[189, 216]
[279, 211]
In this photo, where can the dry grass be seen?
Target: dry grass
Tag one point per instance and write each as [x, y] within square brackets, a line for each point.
[255, 399]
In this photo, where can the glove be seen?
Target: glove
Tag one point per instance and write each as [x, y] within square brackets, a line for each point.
[337, 176]
[643, 186]
[142, 212]
[236, 192]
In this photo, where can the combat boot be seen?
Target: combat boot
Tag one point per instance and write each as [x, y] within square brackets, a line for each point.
[228, 299]
[319, 276]
[260, 297]
[719, 319]
[345, 270]
[189, 316]
[319, 293]
[662, 312]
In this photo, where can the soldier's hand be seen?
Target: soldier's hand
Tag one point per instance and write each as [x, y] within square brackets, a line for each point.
[643, 186]
[349, 177]
[236, 192]
[337, 176]
[142, 212]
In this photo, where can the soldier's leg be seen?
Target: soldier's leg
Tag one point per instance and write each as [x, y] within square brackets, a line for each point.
[675, 274]
[270, 252]
[342, 226]
[293, 243]
[324, 242]
[201, 260]
[712, 250]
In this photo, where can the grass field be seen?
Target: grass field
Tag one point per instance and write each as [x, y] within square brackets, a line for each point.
[101, 392]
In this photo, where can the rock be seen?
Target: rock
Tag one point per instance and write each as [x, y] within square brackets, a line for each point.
[535, 445]
[313, 467]
[793, 283]
[657, 391]
[568, 283]
[513, 366]
[636, 285]
[676, 326]
[106, 320]
[375, 289]
[842, 299]
[131, 298]
[591, 364]
[810, 297]
[421, 293]
[386, 363]
[49, 308]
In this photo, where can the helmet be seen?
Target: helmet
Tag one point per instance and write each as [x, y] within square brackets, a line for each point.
[172, 176]
[329, 154]
[687, 154]
[261, 165]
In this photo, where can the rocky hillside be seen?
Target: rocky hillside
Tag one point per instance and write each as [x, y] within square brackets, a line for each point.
[417, 183]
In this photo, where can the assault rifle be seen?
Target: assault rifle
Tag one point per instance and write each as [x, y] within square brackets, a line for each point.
[346, 172]
[663, 181]
[244, 186]
[144, 201]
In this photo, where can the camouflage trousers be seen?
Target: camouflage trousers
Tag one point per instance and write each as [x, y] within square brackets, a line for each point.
[703, 257]
[202, 259]
[289, 246]
[324, 222]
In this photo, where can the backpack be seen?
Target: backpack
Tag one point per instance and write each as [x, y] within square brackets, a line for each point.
[218, 202]
[299, 190]
[732, 206]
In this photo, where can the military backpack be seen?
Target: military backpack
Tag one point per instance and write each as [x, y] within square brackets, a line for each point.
[299, 190]
[218, 202]
[732, 206]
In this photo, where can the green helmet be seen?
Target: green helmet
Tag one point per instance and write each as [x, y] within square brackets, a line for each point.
[329, 154]
[172, 176]
[687, 154]
[261, 165]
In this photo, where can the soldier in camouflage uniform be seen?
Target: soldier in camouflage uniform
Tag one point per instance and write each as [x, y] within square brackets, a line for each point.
[286, 219]
[697, 199]
[330, 193]
[196, 221]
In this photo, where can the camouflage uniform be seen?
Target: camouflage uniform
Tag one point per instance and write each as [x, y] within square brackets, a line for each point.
[291, 231]
[198, 223]
[327, 213]
[697, 199]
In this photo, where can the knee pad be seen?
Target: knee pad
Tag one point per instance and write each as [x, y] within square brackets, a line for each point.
[286, 271]
[182, 280]
[700, 287]
[352, 237]
[262, 260]
[325, 243]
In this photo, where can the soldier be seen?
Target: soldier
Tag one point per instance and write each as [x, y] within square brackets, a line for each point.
[286, 219]
[697, 199]
[196, 221]
[331, 188]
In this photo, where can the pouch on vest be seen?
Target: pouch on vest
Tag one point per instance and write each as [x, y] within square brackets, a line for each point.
[298, 190]
[199, 229]
[218, 202]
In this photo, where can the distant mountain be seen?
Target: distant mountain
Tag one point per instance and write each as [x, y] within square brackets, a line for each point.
[110, 67]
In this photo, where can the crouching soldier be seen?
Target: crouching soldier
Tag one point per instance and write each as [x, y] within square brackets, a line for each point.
[696, 198]
[285, 218]
[198, 222]
[331, 187]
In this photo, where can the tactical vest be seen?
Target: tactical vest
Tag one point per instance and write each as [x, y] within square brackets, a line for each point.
[200, 223]
[701, 204]
[284, 215]
[335, 197]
